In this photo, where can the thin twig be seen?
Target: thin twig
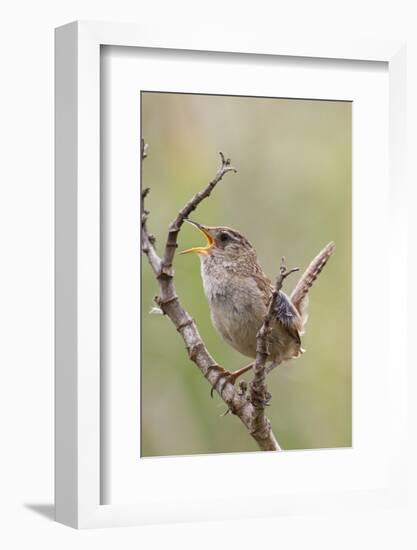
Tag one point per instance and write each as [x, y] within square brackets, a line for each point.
[183, 214]
[259, 395]
[148, 240]
[236, 400]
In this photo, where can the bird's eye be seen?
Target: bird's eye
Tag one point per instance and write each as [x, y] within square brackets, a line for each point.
[224, 237]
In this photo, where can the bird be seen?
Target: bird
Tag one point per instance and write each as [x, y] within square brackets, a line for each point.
[239, 294]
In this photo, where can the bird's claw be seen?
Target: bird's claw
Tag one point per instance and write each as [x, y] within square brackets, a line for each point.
[229, 377]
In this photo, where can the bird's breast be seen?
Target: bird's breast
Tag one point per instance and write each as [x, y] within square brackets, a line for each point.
[237, 309]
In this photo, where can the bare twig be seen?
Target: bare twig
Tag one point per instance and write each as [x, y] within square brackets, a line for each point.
[191, 205]
[148, 240]
[236, 400]
[259, 395]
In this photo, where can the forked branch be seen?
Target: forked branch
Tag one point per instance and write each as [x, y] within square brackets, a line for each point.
[238, 402]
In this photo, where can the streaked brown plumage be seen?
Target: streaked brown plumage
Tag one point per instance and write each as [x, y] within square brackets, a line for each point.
[239, 292]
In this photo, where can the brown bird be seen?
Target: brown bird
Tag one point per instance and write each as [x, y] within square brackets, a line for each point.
[239, 292]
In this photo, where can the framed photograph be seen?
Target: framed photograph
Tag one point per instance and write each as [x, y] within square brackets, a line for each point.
[230, 325]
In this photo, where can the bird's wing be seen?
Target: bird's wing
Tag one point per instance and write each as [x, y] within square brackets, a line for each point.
[285, 312]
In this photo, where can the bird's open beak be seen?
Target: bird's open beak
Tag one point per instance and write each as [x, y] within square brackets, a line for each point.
[201, 249]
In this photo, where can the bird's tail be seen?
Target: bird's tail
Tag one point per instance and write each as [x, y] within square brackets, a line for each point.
[299, 296]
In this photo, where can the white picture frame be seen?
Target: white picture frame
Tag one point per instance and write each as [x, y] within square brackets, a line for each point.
[78, 426]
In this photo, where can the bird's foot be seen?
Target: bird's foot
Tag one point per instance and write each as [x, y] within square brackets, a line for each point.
[228, 377]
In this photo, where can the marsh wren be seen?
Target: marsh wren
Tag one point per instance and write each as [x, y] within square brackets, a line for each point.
[239, 292]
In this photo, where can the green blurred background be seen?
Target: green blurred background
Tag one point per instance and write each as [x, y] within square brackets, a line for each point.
[291, 196]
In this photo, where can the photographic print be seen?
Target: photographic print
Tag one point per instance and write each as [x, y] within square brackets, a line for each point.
[246, 274]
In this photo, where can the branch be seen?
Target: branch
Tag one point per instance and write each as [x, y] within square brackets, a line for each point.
[259, 395]
[183, 214]
[148, 240]
[237, 401]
